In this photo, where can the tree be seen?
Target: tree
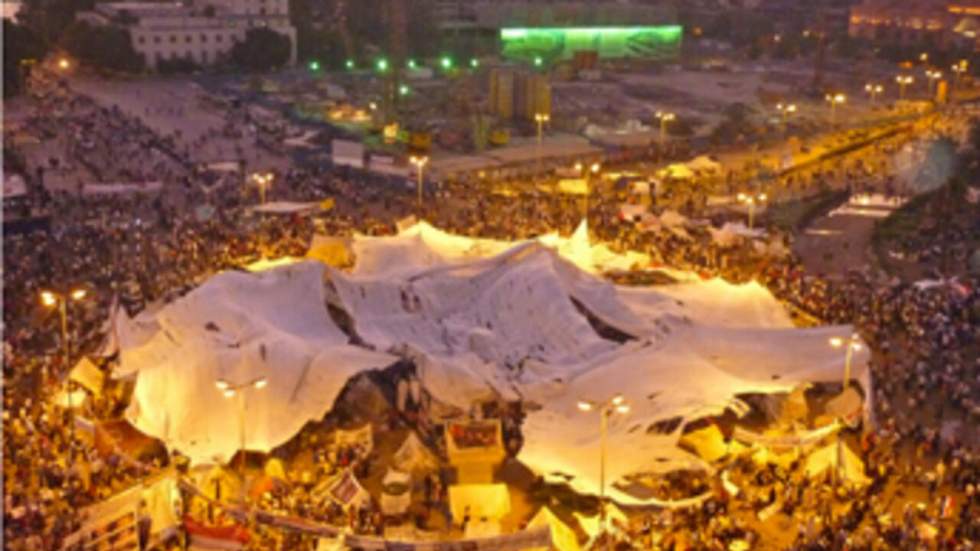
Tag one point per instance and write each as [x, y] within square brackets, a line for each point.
[107, 47]
[49, 18]
[262, 50]
[20, 45]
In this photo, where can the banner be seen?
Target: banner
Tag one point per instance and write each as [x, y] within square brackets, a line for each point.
[119, 188]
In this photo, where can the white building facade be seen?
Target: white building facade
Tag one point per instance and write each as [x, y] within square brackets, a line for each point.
[202, 31]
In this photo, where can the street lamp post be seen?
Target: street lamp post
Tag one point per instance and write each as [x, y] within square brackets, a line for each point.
[616, 404]
[834, 100]
[903, 81]
[419, 163]
[751, 201]
[873, 90]
[229, 391]
[785, 110]
[594, 169]
[52, 299]
[933, 76]
[263, 181]
[853, 344]
[541, 119]
[664, 119]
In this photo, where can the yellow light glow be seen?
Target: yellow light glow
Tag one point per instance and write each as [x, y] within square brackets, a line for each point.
[618, 399]
[63, 64]
[836, 342]
[229, 393]
[261, 383]
[221, 384]
[595, 168]
[585, 406]
[623, 408]
[48, 298]
[78, 294]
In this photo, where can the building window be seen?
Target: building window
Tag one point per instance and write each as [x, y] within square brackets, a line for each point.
[141, 40]
[156, 39]
[218, 37]
[204, 39]
[188, 39]
[173, 39]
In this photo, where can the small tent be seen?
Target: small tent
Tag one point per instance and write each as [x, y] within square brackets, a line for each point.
[708, 443]
[414, 457]
[841, 458]
[396, 493]
[331, 250]
[88, 375]
[563, 538]
[491, 501]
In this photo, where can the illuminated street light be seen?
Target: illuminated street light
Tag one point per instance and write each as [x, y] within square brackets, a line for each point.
[52, 299]
[873, 90]
[538, 61]
[382, 65]
[419, 163]
[64, 64]
[834, 100]
[474, 63]
[403, 90]
[933, 76]
[349, 64]
[412, 64]
[541, 119]
[752, 201]
[615, 405]
[785, 110]
[314, 66]
[903, 81]
[664, 118]
[959, 69]
[263, 181]
[446, 62]
[853, 344]
[229, 391]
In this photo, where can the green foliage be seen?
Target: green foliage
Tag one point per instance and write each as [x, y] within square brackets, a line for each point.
[106, 47]
[20, 44]
[262, 50]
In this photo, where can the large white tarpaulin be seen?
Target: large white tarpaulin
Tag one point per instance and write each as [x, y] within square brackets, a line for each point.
[481, 318]
[240, 327]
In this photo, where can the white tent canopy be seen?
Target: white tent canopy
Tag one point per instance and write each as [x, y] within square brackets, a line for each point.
[242, 327]
[481, 318]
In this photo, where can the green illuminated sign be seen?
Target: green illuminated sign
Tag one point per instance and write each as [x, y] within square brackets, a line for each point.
[555, 43]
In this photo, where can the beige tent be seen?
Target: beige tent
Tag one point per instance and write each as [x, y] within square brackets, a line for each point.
[829, 457]
[563, 538]
[491, 501]
[274, 469]
[414, 457]
[332, 251]
[88, 375]
[846, 405]
[708, 443]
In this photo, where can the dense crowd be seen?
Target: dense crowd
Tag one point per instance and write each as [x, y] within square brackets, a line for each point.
[142, 249]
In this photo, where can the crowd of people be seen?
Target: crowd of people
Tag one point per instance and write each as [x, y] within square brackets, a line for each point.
[138, 250]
